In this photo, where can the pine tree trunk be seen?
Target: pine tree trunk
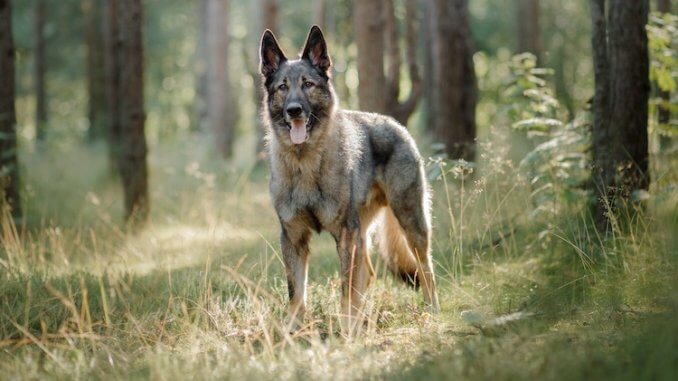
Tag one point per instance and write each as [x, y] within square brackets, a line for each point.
[369, 25]
[268, 14]
[96, 89]
[9, 163]
[603, 158]
[426, 43]
[455, 79]
[201, 57]
[132, 151]
[40, 67]
[629, 91]
[220, 111]
[619, 134]
[112, 69]
[319, 13]
[527, 21]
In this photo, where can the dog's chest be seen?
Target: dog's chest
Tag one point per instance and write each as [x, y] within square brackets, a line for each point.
[317, 192]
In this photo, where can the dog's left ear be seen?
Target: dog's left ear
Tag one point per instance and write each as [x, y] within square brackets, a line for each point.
[315, 50]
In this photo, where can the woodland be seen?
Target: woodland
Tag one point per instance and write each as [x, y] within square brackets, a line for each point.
[138, 239]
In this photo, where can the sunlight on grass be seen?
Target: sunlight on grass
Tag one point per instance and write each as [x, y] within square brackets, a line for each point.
[202, 291]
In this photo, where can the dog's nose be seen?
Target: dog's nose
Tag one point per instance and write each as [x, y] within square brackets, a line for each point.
[293, 110]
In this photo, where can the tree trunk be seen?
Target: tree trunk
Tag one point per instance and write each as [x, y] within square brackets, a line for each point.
[201, 54]
[112, 69]
[96, 86]
[268, 14]
[40, 67]
[319, 13]
[401, 111]
[621, 69]
[527, 21]
[629, 91]
[603, 159]
[455, 79]
[426, 42]
[132, 150]
[9, 163]
[369, 25]
[220, 111]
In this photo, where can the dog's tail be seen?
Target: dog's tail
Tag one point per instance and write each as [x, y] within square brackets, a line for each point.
[394, 249]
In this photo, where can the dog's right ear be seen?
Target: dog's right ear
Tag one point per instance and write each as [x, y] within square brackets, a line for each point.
[270, 54]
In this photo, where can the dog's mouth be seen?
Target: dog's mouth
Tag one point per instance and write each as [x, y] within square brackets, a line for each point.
[299, 129]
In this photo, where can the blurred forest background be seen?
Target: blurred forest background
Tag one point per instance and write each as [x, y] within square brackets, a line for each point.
[138, 238]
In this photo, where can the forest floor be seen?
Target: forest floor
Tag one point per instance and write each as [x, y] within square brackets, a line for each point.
[200, 293]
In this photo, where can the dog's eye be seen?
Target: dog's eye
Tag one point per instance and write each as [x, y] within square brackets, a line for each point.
[308, 84]
[282, 87]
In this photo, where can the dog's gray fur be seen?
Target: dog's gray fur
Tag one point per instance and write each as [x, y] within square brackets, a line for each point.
[352, 168]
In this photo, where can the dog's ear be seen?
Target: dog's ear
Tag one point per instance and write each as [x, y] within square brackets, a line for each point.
[270, 54]
[315, 50]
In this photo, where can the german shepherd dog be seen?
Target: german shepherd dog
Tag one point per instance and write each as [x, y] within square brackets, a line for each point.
[340, 171]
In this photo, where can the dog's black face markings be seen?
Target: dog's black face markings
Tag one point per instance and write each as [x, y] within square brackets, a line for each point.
[304, 82]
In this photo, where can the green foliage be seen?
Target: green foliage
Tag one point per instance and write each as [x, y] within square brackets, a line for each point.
[662, 33]
[558, 163]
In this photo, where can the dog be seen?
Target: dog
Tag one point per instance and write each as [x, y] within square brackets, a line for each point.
[341, 171]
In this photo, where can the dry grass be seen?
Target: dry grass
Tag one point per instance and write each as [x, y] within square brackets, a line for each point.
[200, 292]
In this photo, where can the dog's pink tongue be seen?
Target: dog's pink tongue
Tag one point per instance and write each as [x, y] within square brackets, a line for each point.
[298, 132]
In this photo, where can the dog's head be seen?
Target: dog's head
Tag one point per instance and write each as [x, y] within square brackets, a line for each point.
[299, 97]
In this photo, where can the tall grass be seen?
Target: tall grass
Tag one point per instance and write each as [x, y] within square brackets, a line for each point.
[201, 292]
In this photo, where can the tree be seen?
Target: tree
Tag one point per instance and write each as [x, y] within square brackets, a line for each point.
[267, 12]
[124, 83]
[220, 109]
[454, 78]
[9, 163]
[619, 134]
[376, 29]
[112, 69]
[527, 22]
[319, 13]
[369, 26]
[200, 104]
[40, 68]
[96, 86]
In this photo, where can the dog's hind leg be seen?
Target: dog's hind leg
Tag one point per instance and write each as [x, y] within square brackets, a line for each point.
[294, 244]
[410, 207]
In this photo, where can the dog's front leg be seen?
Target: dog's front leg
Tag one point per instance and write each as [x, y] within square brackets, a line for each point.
[357, 275]
[294, 243]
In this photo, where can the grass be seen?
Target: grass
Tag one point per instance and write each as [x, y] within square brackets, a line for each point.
[200, 293]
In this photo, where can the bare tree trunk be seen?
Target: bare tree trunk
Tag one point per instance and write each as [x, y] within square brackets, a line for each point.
[112, 69]
[455, 78]
[621, 67]
[527, 20]
[9, 162]
[269, 20]
[603, 159]
[426, 42]
[630, 87]
[368, 24]
[96, 88]
[132, 150]
[200, 105]
[40, 65]
[401, 111]
[220, 110]
[319, 13]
